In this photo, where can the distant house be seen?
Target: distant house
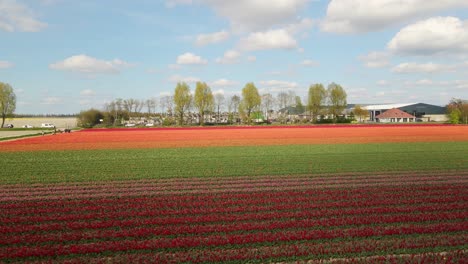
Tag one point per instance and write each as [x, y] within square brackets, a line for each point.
[423, 112]
[395, 115]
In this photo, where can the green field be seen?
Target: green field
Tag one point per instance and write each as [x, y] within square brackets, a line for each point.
[103, 165]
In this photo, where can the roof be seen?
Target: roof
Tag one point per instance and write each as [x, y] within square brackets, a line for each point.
[385, 106]
[394, 113]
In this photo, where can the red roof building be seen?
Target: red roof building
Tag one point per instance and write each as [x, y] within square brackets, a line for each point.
[395, 115]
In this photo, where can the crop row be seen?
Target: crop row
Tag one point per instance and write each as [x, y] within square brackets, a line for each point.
[229, 239]
[319, 250]
[226, 182]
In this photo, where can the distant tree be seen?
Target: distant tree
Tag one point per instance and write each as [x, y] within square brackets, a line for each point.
[182, 100]
[316, 100]
[219, 102]
[7, 101]
[360, 112]
[336, 100]
[250, 100]
[151, 105]
[299, 105]
[282, 99]
[458, 111]
[90, 118]
[267, 104]
[233, 106]
[203, 100]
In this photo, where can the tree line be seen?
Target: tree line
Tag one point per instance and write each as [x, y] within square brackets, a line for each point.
[183, 105]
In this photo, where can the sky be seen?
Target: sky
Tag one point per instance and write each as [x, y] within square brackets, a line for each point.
[64, 56]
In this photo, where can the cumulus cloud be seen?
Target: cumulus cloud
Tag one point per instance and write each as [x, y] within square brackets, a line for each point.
[230, 57]
[410, 67]
[437, 35]
[223, 83]
[187, 79]
[277, 86]
[310, 63]
[52, 101]
[5, 64]
[85, 64]
[271, 39]
[251, 58]
[15, 16]
[375, 59]
[190, 59]
[256, 15]
[87, 92]
[359, 16]
[213, 38]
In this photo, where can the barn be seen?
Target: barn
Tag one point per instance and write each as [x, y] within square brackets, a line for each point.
[395, 115]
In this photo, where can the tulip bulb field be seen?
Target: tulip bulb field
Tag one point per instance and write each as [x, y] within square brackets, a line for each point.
[339, 194]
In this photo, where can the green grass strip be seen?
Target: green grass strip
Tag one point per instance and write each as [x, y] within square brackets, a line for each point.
[104, 165]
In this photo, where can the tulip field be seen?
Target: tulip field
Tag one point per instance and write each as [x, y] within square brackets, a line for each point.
[339, 194]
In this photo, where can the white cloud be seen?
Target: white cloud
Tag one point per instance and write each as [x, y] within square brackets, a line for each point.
[271, 39]
[410, 67]
[174, 67]
[277, 86]
[87, 92]
[213, 38]
[190, 59]
[230, 57]
[257, 15]
[358, 16]
[5, 65]
[15, 16]
[251, 58]
[52, 101]
[375, 59]
[223, 83]
[187, 79]
[310, 63]
[382, 83]
[437, 35]
[88, 65]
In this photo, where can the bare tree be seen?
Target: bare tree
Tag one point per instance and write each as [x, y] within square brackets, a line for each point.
[267, 104]
[219, 102]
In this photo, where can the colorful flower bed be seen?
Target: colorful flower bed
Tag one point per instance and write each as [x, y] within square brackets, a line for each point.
[242, 136]
[369, 218]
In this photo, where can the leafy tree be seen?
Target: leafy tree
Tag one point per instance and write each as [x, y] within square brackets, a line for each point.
[360, 112]
[219, 101]
[7, 101]
[233, 105]
[299, 105]
[316, 100]
[250, 99]
[458, 111]
[203, 100]
[182, 100]
[267, 103]
[336, 100]
[90, 118]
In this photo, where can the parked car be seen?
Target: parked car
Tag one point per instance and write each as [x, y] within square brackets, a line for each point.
[129, 125]
[27, 126]
[47, 125]
[149, 125]
[9, 126]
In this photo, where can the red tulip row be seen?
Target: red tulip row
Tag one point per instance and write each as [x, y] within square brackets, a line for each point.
[333, 251]
[189, 204]
[217, 240]
[249, 212]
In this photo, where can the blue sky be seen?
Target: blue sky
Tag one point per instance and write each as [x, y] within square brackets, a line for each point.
[63, 56]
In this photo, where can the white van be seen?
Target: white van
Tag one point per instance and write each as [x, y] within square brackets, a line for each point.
[47, 125]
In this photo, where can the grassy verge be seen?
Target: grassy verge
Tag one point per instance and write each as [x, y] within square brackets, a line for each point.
[102, 165]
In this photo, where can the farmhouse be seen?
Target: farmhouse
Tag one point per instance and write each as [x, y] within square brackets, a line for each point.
[395, 116]
[422, 111]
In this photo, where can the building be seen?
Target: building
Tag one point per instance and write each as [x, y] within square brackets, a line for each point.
[395, 115]
[422, 112]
